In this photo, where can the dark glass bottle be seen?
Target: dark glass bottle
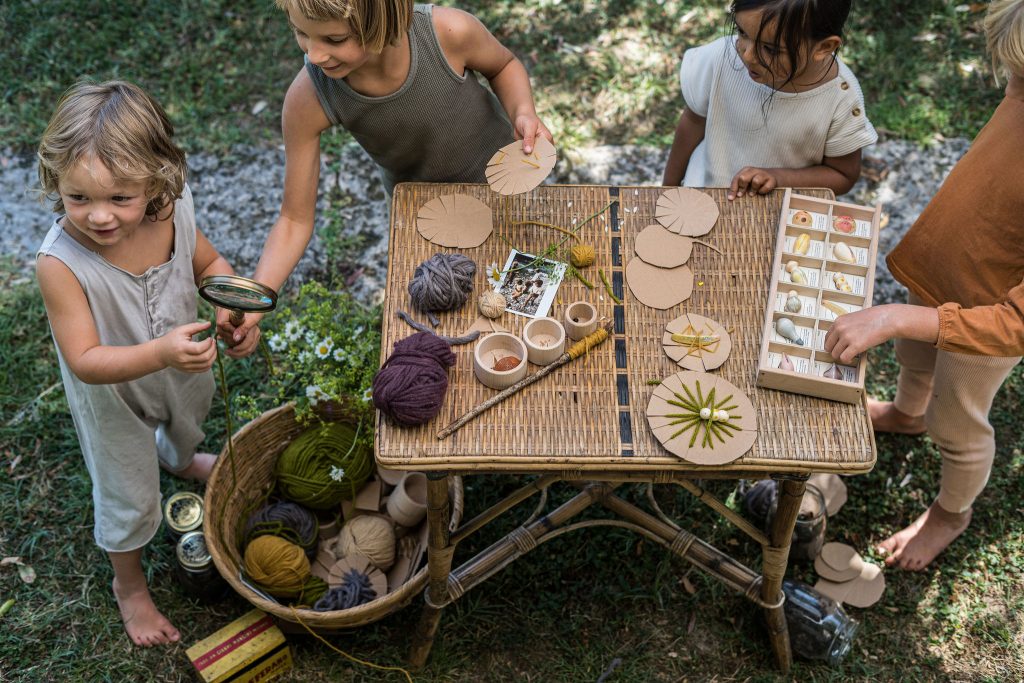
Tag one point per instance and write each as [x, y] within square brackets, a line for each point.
[819, 628]
[195, 569]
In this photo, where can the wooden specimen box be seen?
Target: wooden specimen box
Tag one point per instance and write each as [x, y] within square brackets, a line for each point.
[824, 267]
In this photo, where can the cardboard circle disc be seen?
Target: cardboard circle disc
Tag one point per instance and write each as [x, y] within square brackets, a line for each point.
[686, 211]
[692, 357]
[510, 171]
[839, 556]
[662, 248]
[867, 588]
[825, 571]
[663, 417]
[455, 220]
[833, 488]
[658, 287]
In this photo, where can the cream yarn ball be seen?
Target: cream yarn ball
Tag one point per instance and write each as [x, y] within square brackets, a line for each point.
[370, 536]
[491, 303]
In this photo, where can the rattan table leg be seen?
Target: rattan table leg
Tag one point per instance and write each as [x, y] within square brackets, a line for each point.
[773, 567]
[439, 564]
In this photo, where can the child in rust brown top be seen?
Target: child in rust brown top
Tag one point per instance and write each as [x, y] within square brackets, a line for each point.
[962, 332]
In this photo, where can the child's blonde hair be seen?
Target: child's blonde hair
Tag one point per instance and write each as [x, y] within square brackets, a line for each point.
[376, 23]
[122, 126]
[1004, 33]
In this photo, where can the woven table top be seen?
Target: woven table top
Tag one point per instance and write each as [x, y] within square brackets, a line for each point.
[589, 416]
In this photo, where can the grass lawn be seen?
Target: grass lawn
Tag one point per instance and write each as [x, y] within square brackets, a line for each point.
[604, 72]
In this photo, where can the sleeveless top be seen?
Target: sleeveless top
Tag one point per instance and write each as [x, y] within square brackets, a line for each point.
[439, 126]
[120, 425]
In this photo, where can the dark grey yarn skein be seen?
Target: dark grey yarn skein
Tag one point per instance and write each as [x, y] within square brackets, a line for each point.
[443, 282]
[354, 590]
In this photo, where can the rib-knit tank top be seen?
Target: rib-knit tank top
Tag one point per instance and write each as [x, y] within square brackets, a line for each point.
[439, 126]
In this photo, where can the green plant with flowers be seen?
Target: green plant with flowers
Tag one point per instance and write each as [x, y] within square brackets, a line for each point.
[324, 348]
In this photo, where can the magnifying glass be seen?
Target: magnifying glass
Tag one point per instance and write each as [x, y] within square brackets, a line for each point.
[239, 295]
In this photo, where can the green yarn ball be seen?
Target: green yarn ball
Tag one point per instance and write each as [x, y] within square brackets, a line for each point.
[304, 470]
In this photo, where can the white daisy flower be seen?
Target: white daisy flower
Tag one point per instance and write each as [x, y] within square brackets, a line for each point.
[368, 394]
[357, 332]
[305, 356]
[310, 337]
[493, 274]
[292, 330]
[315, 394]
[340, 354]
[277, 342]
[323, 348]
[337, 473]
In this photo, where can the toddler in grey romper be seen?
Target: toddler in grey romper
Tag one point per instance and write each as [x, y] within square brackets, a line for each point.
[128, 430]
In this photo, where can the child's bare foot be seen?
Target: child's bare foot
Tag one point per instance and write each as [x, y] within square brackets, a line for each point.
[885, 418]
[145, 624]
[916, 546]
[200, 468]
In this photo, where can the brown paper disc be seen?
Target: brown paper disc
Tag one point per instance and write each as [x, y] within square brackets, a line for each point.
[832, 589]
[661, 413]
[686, 211]
[455, 220]
[378, 580]
[510, 171]
[659, 287]
[833, 488]
[825, 571]
[662, 248]
[840, 556]
[867, 588]
[692, 358]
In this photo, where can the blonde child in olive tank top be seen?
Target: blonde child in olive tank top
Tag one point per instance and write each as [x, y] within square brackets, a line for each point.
[118, 272]
[401, 78]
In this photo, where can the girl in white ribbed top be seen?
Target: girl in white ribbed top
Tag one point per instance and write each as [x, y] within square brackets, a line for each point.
[773, 105]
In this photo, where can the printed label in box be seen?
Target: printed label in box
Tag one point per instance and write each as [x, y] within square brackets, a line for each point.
[820, 220]
[801, 365]
[836, 280]
[804, 333]
[813, 276]
[808, 304]
[849, 374]
[860, 255]
[815, 248]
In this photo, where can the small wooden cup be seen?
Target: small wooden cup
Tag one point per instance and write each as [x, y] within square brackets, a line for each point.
[580, 320]
[544, 339]
[493, 348]
[407, 504]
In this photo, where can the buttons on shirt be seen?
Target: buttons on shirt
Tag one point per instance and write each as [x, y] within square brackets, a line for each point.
[856, 111]
[844, 85]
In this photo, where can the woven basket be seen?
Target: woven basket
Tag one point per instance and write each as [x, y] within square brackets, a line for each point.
[257, 445]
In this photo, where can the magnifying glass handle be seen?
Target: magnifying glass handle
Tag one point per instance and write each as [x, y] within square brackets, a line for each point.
[236, 318]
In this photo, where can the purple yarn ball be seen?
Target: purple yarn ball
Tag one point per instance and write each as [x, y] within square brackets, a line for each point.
[410, 386]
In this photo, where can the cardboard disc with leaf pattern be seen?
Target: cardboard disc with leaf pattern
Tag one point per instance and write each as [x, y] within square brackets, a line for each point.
[696, 343]
[511, 171]
[455, 220]
[686, 211]
[704, 438]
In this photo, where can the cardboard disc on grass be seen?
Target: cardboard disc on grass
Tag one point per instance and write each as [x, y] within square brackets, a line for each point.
[863, 591]
[686, 211]
[510, 171]
[826, 571]
[455, 220]
[832, 488]
[659, 287]
[840, 556]
[700, 358]
[682, 387]
[662, 248]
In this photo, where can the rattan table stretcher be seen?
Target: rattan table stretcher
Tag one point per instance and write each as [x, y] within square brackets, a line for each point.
[585, 424]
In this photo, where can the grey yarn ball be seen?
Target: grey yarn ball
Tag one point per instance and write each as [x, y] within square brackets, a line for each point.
[443, 282]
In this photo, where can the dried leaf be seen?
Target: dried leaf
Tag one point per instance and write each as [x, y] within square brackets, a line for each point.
[27, 574]
[688, 585]
[10, 560]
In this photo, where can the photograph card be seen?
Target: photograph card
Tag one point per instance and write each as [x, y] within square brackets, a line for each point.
[529, 284]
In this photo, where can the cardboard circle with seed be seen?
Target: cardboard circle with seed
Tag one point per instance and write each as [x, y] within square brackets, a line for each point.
[713, 356]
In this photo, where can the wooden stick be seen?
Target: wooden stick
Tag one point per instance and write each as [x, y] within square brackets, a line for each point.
[580, 348]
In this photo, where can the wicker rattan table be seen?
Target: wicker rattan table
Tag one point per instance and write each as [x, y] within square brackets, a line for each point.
[585, 424]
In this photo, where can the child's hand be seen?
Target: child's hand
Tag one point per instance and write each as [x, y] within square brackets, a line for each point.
[231, 335]
[246, 346]
[752, 180]
[854, 333]
[177, 350]
[527, 127]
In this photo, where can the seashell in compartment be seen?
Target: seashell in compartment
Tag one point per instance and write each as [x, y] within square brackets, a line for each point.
[802, 244]
[787, 330]
[796, 275]
[793, 302]
[802, 218]
[834, 307]
[842, 252]
[844, 224]
[786, 363]
[833, 372]
[840, 282]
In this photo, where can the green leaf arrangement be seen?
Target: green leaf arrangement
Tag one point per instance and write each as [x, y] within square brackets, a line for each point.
[706, 429]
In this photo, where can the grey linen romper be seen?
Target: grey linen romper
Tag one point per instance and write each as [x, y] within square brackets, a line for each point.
[439, 126]
[127, 430]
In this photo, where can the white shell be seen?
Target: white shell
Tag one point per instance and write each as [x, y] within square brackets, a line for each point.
[722, 415]
[842, 252]
[793, 302]
[705, 413]
[786, 329]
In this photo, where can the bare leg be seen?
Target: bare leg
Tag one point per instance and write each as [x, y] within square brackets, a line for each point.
[200, 468]
[886, 418]
[915, 547]
[145, 624]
